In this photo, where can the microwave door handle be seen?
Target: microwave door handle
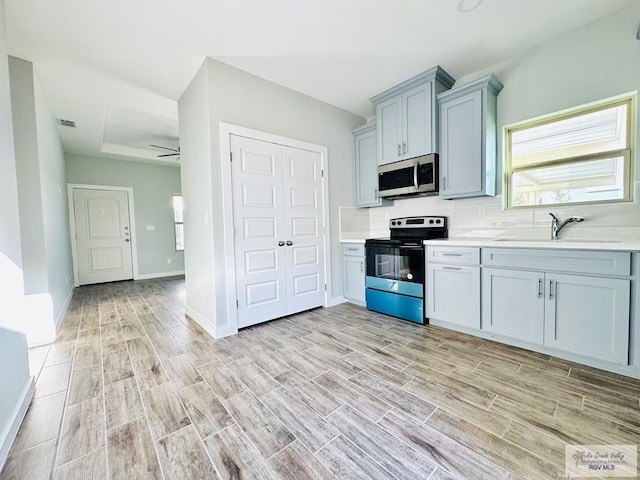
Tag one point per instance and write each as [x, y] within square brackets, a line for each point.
[415, 174]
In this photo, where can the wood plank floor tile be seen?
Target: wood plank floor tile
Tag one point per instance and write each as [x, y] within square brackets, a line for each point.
[221, 380]
[333, 363]
[117, 366]
[263, 428]
[346, 460]
[41, 423]
[490, 421]
[441, 449]
[53, 379]
[538, 443]
[327, 342]
[382, 355]
[304, 364]
[424, 358]
[269, 362]
[208, 414]
[253, 377]
[122, 402]
[35, 463]
[617, 384]
[307, 425]
[441, 474]
[88, 356]
[164, 410]
[199, 352]
[395, 456]
[60, 352]
[357, 397]
[378, 368]
[295, 462]
[83, 430]
[393, 395]
[131, 452]
[183, 457]
[149, 373]
[85, 384]
[181, 371]
[92, 466]
[139, 348]
[312, 394]
[235, 457]
[506, 454]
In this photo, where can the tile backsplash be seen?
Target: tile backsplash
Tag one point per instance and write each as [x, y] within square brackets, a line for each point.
[484, 217]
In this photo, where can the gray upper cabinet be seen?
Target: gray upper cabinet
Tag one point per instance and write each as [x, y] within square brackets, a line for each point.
[468, 139]
[366, 173]
[407, 117]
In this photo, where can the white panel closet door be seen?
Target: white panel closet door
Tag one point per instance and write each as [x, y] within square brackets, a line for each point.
[277, 209]
[303, 228]
[103, 239]
[259, 225]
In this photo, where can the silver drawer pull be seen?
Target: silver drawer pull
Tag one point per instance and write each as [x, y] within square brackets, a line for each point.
[352, 249]
[539, 287]
[451, 268]
[550, 288]
[452, 254]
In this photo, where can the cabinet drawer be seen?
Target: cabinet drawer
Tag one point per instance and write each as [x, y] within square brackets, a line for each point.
[353, 249]
[455, 255]
[575, 261]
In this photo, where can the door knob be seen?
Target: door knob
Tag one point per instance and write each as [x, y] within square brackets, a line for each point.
[126, 239]
[289, 243]
[280, 243]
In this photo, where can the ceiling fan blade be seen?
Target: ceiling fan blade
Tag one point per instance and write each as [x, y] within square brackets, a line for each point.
[169, 154]
[166, 148]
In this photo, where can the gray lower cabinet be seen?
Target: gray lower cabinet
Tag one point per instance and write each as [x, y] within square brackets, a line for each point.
[584, 314]
[353, 272]
[452, 286]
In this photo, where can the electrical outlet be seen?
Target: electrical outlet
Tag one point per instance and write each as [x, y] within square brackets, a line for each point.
[481, 211]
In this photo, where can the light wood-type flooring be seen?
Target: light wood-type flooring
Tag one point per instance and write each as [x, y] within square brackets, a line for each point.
[134, 390]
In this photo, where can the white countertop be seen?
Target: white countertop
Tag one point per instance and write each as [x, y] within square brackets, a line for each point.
[352, 240]
[618, 245]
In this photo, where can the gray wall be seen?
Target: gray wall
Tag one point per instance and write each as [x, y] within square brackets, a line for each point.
[153, 187]
[14, 374]
[239, 98]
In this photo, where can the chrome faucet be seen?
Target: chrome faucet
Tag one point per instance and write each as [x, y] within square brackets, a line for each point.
[556, 225]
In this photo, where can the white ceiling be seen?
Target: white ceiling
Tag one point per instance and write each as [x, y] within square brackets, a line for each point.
[118, 67]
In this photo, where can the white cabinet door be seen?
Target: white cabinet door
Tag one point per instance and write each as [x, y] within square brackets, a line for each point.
[461, 146]
[513, 303]
[389, 130]
[453, 294]
[303, 232]
[103, 235]
[277, 208]
[353, 279]
[588, 316]
[416, 121]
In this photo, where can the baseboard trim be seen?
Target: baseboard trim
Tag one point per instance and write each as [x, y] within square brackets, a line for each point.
[10, 432]
[207, 325]
[336, 301]
[63, 311]
[148, 276]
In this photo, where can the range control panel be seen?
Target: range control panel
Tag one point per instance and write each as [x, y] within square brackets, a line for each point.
[418, 222]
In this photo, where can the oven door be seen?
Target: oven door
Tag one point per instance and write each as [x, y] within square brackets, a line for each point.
[396, 262]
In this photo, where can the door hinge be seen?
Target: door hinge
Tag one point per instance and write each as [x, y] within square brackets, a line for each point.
[237, 304]
[231, 156]
[325, 287]
[322, 173]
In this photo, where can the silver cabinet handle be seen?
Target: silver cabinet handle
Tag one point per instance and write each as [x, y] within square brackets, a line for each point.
[444, 183]
[451, 254]
[352, 249]
[539, 287]
[289, 243]
[550, 288]
[375, 193]
[404, 147]
[399, 150]
[415, 174]
[451, 268]
[361, 267]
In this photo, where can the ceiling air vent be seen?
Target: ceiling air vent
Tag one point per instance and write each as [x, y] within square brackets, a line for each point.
[66, 123]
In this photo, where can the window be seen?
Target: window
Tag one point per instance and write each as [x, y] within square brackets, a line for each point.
[580, 157]
[178, 220]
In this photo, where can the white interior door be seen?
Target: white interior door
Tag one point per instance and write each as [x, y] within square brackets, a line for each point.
[302, 201]
[103, 235]
[256, 171]
[277, 209]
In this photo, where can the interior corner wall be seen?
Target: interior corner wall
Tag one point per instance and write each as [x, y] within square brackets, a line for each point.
[153, 187]
[243, 99]
[197, 182]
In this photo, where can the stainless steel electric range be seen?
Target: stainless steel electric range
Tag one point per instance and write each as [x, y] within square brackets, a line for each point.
[395, 272]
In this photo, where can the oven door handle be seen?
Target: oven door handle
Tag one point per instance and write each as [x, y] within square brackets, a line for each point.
[415, 174]
[410, 247]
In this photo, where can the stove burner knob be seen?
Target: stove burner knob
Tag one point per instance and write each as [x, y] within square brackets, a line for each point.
[431, 221]
[438, 221]
[393, 223]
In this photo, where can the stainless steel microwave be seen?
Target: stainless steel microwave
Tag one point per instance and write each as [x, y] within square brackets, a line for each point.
[415, 176]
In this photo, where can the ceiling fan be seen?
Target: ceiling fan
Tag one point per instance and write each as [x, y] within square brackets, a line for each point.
[176, 151]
